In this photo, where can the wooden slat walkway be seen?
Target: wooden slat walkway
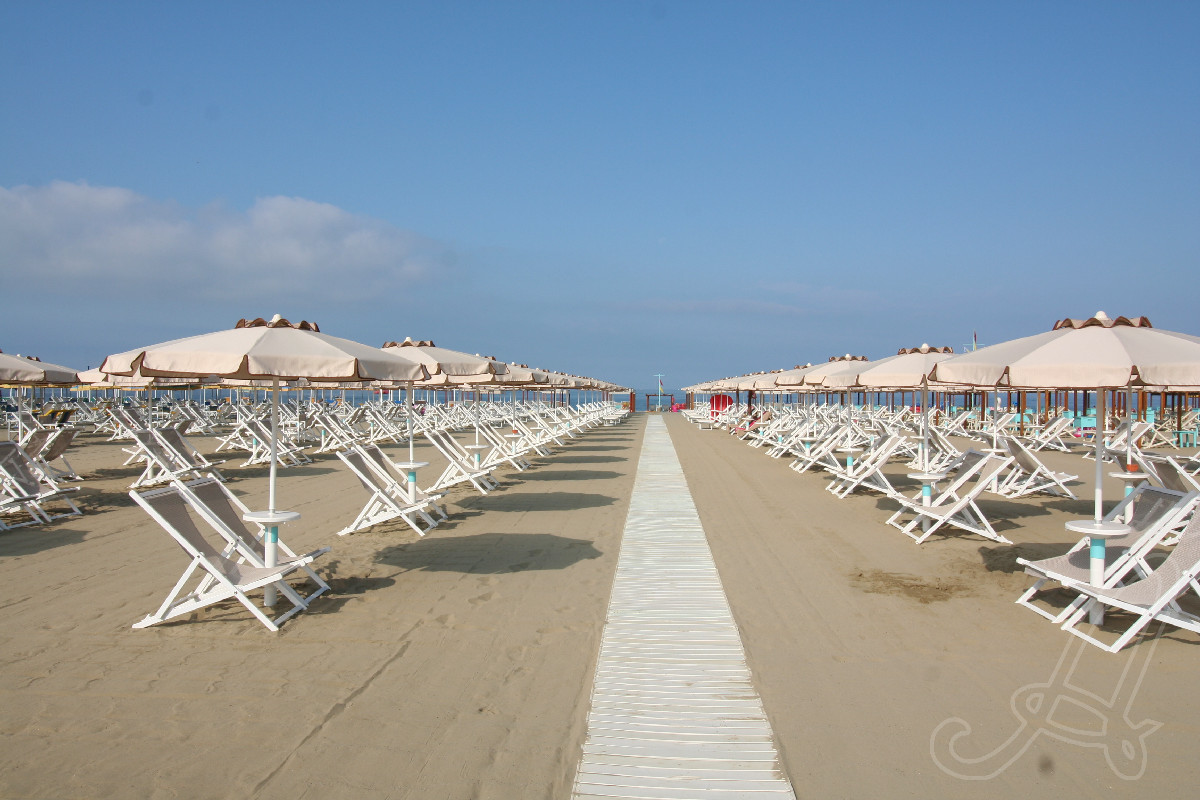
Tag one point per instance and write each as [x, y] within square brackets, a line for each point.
[674, 714]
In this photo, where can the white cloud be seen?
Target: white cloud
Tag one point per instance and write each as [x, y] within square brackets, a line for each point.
[112, 242]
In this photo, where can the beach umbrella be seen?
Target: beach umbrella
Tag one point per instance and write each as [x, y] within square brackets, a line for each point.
[441, 362]
[21, 370]
[908, 369]
[275, 350]
[1096, 354]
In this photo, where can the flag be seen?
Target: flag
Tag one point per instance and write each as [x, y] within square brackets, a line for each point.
[660, 386]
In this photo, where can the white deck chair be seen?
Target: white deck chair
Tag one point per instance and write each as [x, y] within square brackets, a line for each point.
[184, 453]
[213, 575]
[1030, 475]
[460, 465]
[956, 505]
[1167, 471]
[1154, 597]
[386, 501]
[868, 470]
[225, 512]
[408, 490]
[1051, 436]
[22, 488]
[1156, 513]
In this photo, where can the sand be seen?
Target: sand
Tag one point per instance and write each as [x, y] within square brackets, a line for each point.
[459, 665]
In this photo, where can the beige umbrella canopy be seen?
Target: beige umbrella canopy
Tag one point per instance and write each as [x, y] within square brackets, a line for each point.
[29, 371]
[442, 361]
[837, 365]
[278, 350]
[1098, 353]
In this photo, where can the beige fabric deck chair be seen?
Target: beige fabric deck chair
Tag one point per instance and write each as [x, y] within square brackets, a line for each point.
[1156, 513]
[225, 512]
[213, 576]
[1154, 597]
[408, 491]
[1051, 435]
[55, 452]
[23, 489]
[460, 466]
[1167, 471]
[184, 453]
[1030, 475]
[955, 506]
[387, 499]
[868, 470]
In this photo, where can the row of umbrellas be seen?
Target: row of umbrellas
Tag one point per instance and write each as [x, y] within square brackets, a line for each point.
[1095, 354]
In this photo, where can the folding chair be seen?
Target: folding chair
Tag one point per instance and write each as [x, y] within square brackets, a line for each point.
[1030, 475]
[21, 488]
[956, 505]
[1156, 513]
[220, 577]
[1154, 597]
[460, 467]
[868, 470]
[387, 500]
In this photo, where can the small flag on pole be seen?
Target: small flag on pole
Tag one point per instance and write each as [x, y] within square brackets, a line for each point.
[974, 340]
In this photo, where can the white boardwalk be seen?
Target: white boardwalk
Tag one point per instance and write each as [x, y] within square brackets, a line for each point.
[674, 714]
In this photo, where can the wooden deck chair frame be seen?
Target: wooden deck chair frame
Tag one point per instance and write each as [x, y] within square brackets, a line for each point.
[1157, 512]
[1152, 598]
[383, 504]
[220, 578]
[953, 506]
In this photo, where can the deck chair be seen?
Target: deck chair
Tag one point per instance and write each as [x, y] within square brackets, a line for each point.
[409, 491]
[1156, 513]
[1030, 475]
[225, 512]
[387, 499]
[956, 505]
[22, 488]
[55, 451]
[502, 450]
[184, 453]
[1051, 436]
[1167, 471]
[215, 576]
[868, 470]
[1154, 597]
[461, 465]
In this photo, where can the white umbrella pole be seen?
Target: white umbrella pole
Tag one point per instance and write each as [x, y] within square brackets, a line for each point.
[1100, 415]
[270, 545]
[924, 425]
[408, 401]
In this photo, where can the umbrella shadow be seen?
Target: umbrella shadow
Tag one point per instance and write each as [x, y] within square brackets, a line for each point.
[490, 553]
[543, 501]
[567, 459]
[30, 540]
[1003, 558]
[568, 475]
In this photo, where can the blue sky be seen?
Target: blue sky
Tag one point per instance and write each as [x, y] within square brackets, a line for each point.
[615, 189]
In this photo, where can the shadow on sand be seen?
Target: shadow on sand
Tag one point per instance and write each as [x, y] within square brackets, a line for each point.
[490, 553]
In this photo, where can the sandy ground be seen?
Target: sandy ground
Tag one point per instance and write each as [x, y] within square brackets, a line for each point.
[454, 666]
[459, 665]
[863, 642]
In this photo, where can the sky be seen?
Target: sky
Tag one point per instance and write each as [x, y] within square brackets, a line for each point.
[613, 189]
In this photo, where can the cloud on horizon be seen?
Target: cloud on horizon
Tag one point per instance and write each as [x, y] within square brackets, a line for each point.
[115, 243]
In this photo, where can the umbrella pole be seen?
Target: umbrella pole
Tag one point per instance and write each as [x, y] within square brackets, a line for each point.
[270, 554]
[1099, 513]
[408, 401]
[924, 425]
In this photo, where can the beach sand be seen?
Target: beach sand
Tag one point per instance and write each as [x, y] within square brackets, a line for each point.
[459, 665]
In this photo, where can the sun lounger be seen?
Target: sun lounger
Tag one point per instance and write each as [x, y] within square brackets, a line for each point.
[1030, 475]
[1152, 598]
[955, 506]
[868, 470]
[219, 570]
[1156, 512]
[388, 498]
[22, 488]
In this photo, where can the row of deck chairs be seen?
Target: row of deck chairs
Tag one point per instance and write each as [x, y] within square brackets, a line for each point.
[1147, 571]
[226, 555]
[28, 487]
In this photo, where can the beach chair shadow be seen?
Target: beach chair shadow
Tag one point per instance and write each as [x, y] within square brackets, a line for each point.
[490, 553]
[547, 501]
[572, 475]
[24, 542]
